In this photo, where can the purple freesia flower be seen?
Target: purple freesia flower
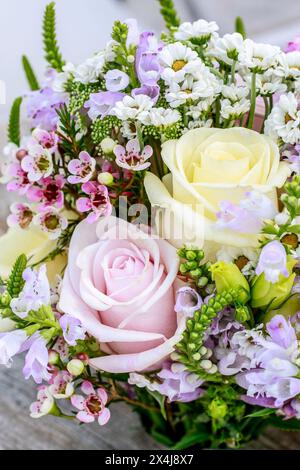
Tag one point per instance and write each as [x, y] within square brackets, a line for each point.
[72, 329]
[281, 331]
[259, 204]
[188, 301]
[148, 67]
[179, 386]
[11, 344]
[237, 218]
[116, 80]
[272, 261]
[100, 104]
[42, 106]
[35, 293]
[36, 361]
[151, 91]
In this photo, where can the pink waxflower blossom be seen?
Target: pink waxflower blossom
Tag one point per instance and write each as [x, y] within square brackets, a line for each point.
[82, 169]
[36, 361]
[272, 261]
[49, 193]
[21, 215]
[51, 221]
[97, 202]
[92, 407]
[19, 182]
[38, 163]
[61, 385]
[44, 405]
[116, 80]
[47, 140]
[131, 157]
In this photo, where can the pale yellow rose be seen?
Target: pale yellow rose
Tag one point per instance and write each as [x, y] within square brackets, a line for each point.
[35, 244]
[209, 166]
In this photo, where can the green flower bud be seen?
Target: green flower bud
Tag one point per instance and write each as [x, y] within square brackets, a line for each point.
[228, 276]
[242, 314]
[217, 409]
[106, 178]
[108, 145]
[191, 255]
[264, 294]
[5, 299]
[75, 367]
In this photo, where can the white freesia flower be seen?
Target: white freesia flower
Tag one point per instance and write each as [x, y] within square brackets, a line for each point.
[131, 107]
[177, 60]
[284, 120]
[260, 57]
[159, 117]
[200, 29]
[228, 47]
[90, 70]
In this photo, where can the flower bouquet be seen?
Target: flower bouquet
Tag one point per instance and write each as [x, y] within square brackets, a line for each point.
[152, 254]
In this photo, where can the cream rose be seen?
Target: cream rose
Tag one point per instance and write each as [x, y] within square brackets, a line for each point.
[35, 244]
[209, 166]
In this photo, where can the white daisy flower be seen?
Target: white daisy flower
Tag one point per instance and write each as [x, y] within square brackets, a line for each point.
[201, 107]
[131, 107]
[177, 60]
[259, 57]
[200, 29]
[195, 124]
[267, 83]
[284, 120]
[90, 70]
[160, 117]
[246, 258]
[228, 47]
[292, 65]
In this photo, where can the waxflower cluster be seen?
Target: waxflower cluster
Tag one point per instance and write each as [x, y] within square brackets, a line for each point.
[152, 252]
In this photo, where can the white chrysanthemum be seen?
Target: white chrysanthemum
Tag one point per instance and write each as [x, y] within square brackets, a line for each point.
[90, 70]
[229, 254]
[284, 120]
[128, 130]
[228, 47]
[198, 123]
[159, 117]
[292, 65]
[130, 107]
[200, 108]
[200, 29]
[177, 60]
[259, 57]
[267, 83]
[234, 102]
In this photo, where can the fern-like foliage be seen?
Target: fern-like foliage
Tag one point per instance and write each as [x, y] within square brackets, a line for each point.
[169, 14]
[53, 55]
[15, 281]
[30, 75]
[13, 131]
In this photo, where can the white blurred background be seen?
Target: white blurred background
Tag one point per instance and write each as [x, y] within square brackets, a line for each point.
[84, 25]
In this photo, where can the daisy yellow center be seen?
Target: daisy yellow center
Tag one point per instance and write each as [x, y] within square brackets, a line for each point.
[178, 65]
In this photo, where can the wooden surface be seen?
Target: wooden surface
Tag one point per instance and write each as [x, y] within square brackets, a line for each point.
[20, 432]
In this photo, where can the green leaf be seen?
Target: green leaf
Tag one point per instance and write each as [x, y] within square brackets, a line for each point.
[15, 281]
[161, 401]
[169, 14]
[162, 438]
[240, 27]
[261, 413]
[190, 440]
[286, 425]
[30, 75]
[294, 229]
[13, 131]
[53, 55]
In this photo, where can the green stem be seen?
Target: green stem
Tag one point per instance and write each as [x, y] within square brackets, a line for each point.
[218, 111]
[233, 72]
[267, 112]
[253, 102]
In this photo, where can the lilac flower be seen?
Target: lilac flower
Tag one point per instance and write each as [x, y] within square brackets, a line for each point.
[151, 91]
[272, 262]
[97, 202]
[93, 406]
[61, 385]
[281, 332]
[116, 80]
[44, 405]
[237, 218]
[188, 301]
[82, 169]
[259, 204]
[35, 293]
[100, 104]
[20, 182]
[21, 215]
[38, 163]
[179, 386]
[42, 106]
[49, 194]
[48, 140]
[72, 329]
[51, 222]
[131, 157]
[148, 67]
[36, 361]
[11, 344]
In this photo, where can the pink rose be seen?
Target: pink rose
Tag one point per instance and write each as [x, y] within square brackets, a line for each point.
[120, 284]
